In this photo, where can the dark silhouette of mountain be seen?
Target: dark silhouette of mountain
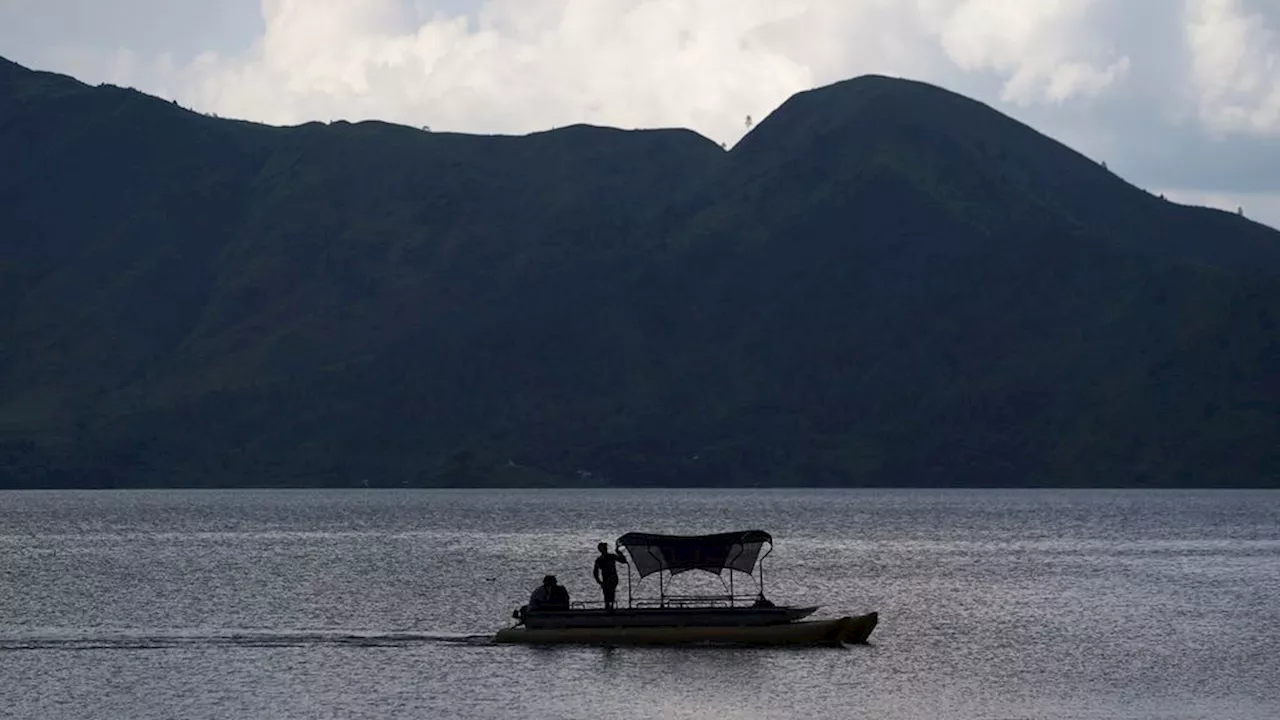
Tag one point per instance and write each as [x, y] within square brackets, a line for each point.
[885, 283]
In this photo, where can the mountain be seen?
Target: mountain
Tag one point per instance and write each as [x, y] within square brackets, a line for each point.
[885, 283]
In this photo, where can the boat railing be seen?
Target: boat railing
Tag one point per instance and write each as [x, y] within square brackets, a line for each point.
[697, 601]
[681, 601]
[674, 601]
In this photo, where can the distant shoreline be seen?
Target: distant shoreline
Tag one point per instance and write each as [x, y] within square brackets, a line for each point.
[384, 488]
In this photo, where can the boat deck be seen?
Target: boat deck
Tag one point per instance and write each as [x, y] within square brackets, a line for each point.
[665, 617]
[838, 632]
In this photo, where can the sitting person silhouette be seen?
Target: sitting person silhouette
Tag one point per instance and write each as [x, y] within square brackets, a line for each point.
[549, 596]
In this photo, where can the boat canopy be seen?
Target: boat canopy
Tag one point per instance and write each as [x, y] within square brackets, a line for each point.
[678, 553]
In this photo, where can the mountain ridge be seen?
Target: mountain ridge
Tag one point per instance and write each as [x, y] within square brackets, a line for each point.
[864, 290]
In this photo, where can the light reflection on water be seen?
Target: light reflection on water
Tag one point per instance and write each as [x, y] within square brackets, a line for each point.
[310, 604]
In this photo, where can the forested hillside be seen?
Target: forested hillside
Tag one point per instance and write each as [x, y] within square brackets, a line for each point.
[885, 283]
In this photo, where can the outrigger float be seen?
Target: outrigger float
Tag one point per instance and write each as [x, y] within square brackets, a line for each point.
[670, 619]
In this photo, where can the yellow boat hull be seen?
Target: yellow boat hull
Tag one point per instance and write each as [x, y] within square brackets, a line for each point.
[841, 631]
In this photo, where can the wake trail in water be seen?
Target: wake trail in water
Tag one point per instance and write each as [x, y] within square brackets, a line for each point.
[265, 639]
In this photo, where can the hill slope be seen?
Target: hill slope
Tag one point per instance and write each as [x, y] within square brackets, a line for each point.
[885, 283]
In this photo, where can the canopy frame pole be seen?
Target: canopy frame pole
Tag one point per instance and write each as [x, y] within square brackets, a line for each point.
[630, 602]
[760, 562]
[731, 587]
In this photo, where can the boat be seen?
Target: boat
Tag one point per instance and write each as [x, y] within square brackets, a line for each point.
[675, 619]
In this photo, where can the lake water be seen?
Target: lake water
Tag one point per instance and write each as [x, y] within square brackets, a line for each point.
[378, 604]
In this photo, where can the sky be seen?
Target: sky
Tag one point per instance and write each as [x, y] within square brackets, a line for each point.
[1181, 97]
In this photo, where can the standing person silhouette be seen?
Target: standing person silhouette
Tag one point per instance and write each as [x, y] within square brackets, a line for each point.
[606, 573]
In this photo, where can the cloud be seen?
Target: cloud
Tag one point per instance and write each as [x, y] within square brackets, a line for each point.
[523, 65]
[1049, 49]
[1176, 94]
[516, 67]
[1235, 65]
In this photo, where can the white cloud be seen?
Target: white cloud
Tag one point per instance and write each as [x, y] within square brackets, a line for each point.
[524, 65]
[521, 66]
[1235, 65]
[1047, 49]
